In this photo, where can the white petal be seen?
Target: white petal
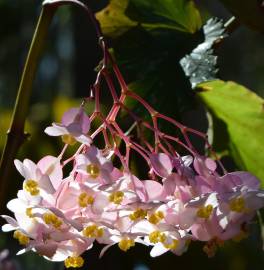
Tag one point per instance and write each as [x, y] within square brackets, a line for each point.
[16, 206]
[56, 130]
[158, 250]
[8, 228]
[20, 167]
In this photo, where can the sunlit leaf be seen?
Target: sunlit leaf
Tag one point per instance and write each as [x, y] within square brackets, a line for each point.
[121, 15]
[242, 111]
[112, 19]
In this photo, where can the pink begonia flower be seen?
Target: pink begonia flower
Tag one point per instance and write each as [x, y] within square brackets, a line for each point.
[177, 187]
[94, 167]
[146, 190]
[74, 127]
[36, 185]
[162, 237]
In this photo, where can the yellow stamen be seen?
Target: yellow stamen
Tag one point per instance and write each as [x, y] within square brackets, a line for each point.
[156, 217]
[93, 231]
[84, 199]
[31, 186]
[173, 245]
[29, 212]
[93, 170]
[51, 219]
[156, 237]
[237, 205]
[126, 243]
[205, 211]
[68, 139]
[116, 197]
[74, 262]
[138, 214]
[22, 238]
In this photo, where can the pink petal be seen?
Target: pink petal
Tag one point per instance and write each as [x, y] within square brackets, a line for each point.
[200, 232]
[247, 179]
[100, 202]
[46, 249]
[210, 164]
[161, 164]
[139, 188]
[154, 190]
[51, 166]
[10, 220]
[84, 139]
[70, 116]
[46, 185]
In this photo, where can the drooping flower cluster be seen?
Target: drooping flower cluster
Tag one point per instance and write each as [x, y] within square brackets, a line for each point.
[185, 199]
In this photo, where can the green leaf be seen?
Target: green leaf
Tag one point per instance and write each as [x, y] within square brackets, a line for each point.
[250, 12]
[121, 15]
[149, 57]
[242, 111]
[179, 15]
[112, 19]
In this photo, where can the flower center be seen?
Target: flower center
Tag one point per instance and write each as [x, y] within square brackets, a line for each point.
[31, 186]
[116, 197]
[93, 170]
[138, 214]
[22, 238]
[205, 211]
[51, 219]
[93, 231]
[84, 199]
[172, 245]
[68, 139]
[29, 212]
[156, 217]
[126, 243]
[156, 237]
[74, 262]
[237, 205]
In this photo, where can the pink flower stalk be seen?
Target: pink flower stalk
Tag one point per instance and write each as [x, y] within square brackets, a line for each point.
[185, 198]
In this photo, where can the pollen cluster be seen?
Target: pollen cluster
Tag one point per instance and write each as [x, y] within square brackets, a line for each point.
[31, 186]
[74, 262]
[22, 238]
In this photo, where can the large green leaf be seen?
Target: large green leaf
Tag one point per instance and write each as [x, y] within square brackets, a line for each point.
[149, 57]
[180, 15]
[242, 111]
[250, 12]
[121, 15]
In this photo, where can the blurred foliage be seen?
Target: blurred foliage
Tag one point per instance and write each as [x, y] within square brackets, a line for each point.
[242, 112]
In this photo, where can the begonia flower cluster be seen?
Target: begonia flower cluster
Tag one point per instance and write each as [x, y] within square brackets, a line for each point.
[61, 216]
[68, 202]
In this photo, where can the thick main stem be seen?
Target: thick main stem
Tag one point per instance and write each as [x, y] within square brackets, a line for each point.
[16, 134]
